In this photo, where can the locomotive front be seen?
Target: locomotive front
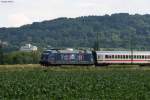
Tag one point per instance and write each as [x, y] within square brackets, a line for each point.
[45, 57]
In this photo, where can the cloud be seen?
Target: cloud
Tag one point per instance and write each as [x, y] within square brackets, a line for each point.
[18, 19]
[26, 11]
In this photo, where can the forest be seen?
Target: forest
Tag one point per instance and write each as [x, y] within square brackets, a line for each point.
[109, 31]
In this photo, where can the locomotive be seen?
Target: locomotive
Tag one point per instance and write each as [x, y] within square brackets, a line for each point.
[98, 58]
[67, 57]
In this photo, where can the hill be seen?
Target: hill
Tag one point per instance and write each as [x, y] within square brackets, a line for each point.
[114, 31]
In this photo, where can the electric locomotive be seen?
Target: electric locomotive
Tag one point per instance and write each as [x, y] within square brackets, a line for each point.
[67, 57]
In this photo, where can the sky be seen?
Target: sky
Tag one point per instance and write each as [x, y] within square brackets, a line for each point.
[20, 12]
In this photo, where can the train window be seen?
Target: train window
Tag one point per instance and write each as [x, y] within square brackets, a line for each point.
[138, 57]
[142, 57]
[134, 57]
[113, 56]
[109, 56]
[130, 56]
[119, 56]
[106, 56]
[124, 57]
[116, 57]
[127, 56]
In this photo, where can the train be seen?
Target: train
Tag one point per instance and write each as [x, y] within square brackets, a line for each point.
[55, 57]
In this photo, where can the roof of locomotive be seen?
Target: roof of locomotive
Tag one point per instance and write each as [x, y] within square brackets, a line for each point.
[124, 52]
[69, 51]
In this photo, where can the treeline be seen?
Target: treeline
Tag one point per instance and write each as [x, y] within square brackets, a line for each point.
[113, 31]
[20, 58]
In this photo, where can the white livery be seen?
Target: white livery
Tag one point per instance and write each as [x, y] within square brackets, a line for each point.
[123, 57]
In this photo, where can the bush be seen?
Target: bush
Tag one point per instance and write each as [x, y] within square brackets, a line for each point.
[22, 58]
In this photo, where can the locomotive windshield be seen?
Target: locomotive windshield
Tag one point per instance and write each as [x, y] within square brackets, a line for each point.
[44, 56]
[47, 52]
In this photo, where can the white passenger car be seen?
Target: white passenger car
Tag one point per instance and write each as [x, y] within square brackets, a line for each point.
[122, 57]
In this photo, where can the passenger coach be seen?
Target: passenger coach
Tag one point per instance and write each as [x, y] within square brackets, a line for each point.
[122, 57]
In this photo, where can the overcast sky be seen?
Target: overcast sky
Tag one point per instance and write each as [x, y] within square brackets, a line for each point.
[20, 12]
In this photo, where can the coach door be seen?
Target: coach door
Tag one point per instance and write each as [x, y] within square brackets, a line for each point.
[100, 57]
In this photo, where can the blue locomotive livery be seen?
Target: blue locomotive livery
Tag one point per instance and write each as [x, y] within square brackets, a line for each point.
[67, 57]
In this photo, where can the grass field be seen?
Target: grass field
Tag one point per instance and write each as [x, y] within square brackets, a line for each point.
[82, 83]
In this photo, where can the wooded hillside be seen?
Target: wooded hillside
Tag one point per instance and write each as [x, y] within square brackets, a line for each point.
[115, 31]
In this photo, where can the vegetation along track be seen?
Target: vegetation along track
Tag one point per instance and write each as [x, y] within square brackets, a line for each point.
[74, 83]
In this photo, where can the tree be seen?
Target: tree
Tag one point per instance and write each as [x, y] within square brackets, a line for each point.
[1, 53]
